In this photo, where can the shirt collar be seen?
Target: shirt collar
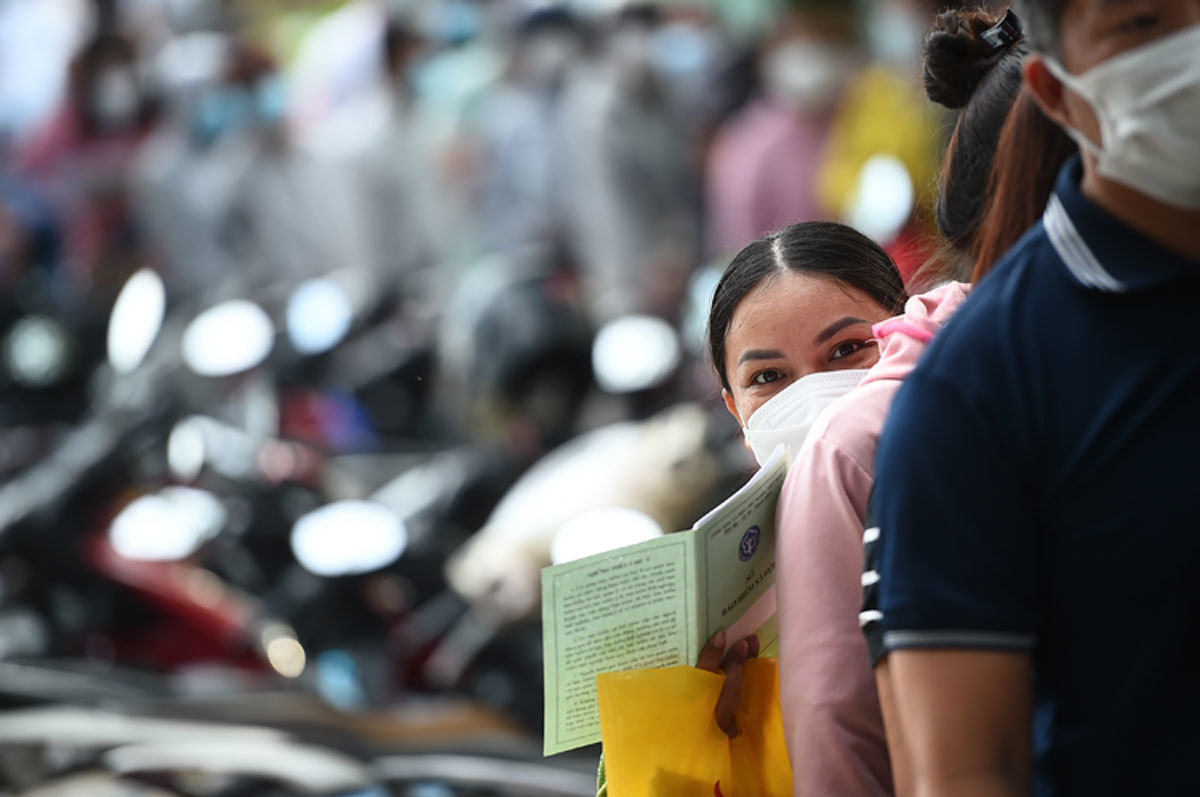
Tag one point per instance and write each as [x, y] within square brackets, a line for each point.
[1099, 251]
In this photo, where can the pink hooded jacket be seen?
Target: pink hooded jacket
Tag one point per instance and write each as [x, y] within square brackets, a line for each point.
[831, 713]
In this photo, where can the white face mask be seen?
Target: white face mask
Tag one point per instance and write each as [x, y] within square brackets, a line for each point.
[1147, 102]
[115, 101]
[547, 58]
[787, 416]
[805, 75]
[630, 54]
[895, 33]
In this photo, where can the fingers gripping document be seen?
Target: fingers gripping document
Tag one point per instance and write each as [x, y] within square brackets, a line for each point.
[656, 603]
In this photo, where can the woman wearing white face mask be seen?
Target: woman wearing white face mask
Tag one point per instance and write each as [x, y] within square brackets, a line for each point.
[789, 331]
[790, 327]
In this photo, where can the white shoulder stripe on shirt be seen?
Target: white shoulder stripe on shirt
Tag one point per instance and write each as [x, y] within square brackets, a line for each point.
[869, 616]
[1074, 251]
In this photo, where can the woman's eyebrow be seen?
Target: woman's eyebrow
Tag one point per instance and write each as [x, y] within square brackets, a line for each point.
[760, 354]
[836, 327]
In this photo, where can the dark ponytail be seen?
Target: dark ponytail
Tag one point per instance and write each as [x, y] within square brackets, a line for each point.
[1031, 152]
[972, 64]
[980, 76]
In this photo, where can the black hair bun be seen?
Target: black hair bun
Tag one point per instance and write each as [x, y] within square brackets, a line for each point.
[958, 56]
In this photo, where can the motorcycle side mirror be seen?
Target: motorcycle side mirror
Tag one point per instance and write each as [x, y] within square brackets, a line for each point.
[348, 538]
[38, 352]
[168, 525]
[883, 199]
[136, 320]
[199, 441]
[319, 316]
[187, 448]
[635, 353]
[227, 339]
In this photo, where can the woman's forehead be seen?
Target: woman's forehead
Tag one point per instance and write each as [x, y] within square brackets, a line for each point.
[793, 299]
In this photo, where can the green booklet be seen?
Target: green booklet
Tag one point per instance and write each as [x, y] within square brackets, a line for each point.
[657, 603]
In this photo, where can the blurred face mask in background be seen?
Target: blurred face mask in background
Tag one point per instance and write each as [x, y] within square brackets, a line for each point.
[630, 53]
[805, 75]
[218, 111]
[683, 51]
[1147, 102]
[895, 31]
[115, 98]
[547, 58]
[788, 416]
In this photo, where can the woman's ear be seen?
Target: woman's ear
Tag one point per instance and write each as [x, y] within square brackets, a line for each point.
[1047, 90]
[729, 405]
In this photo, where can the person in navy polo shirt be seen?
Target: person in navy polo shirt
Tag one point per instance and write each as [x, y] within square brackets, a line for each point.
[1037, 502]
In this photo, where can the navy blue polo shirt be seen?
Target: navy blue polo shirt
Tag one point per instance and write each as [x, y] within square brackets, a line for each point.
[1036, 490]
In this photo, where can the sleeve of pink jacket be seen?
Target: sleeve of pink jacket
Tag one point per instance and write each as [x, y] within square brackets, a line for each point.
[831, 712]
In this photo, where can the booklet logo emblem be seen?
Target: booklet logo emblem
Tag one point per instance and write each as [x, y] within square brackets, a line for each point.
[749, 543]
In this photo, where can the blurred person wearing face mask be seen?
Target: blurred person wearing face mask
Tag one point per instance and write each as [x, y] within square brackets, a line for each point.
[383, 142]
[511, 131]
[187, 175]
[226, 192]
[105, 106]
[884, 115]
[765, 161]
[293, 215]
[894, 29]
[691, 57]
[627, 187]
[79, 159]
[1032, 501]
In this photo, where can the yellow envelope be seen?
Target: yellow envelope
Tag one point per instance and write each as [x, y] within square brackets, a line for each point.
[661, 738]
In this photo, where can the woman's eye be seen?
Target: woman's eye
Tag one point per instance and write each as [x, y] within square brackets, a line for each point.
[1138, 23]
[766, 377]
[843, 350]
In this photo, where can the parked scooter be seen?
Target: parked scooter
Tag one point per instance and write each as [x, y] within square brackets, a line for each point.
[88, 598]
[76, 731]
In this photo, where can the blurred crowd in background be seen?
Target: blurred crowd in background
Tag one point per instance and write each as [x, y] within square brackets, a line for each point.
[475, 194]
[409, 139]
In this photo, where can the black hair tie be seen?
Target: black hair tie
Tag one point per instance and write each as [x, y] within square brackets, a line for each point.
[1004, 33]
